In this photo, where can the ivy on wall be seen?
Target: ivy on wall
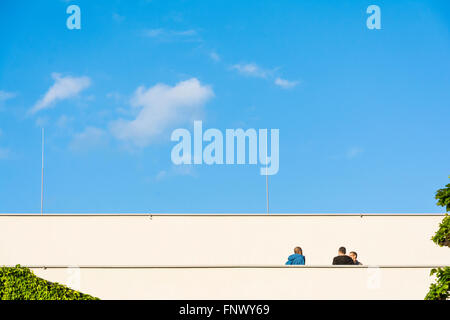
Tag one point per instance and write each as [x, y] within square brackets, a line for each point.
[20, 283]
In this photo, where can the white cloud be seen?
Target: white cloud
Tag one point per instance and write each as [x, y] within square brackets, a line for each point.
[353, 152]
[285, 84]
[153, 32]
[171, 35]
[90, 138]
[214, 56]
[42, 122]
[63, 88]
[63, 121]
[161, 107]
[114, 96]
[251, 70]
[117, 17]
[4, 95]
[185, 170]
[4, 153]
[187, 33]
[161, 175]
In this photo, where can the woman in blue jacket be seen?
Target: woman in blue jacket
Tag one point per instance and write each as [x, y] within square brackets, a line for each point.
[296, 258]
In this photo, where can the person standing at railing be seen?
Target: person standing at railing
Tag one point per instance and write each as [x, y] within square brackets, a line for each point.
[342, 258]
[297, 258]
[354, 256]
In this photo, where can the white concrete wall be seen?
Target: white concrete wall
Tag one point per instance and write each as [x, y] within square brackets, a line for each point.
[246, 283]
[97, 242]
[217, 240]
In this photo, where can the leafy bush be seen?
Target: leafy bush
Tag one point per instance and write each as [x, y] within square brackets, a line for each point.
[441, 289]
[443, 197]
[20, 283]
[442, 236]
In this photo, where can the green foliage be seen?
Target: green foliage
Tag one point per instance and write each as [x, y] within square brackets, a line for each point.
[441, 289]
[442, 236]
[20, 283]
[443, 197]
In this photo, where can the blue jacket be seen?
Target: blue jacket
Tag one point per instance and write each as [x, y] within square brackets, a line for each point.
[296, 259]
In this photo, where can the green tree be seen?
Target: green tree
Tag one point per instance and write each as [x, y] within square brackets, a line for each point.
[443, 197]
[441, 289]
[442, 236]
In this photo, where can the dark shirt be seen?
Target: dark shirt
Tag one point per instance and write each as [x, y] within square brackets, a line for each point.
[339, 260]
[358, 263]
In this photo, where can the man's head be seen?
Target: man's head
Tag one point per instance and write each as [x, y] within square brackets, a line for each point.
[298, 250]
[353, 255]
[342, 251]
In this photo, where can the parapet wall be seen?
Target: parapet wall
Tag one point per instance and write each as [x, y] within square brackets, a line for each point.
[226, 256]
[217, 239]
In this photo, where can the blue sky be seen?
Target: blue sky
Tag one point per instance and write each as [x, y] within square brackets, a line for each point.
[363, 114]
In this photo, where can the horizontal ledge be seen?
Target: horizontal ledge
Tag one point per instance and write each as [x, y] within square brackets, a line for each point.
[221, 215]
[229, 266]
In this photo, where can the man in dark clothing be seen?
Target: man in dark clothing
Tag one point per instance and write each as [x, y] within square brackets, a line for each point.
[354, 256]
[342, 258]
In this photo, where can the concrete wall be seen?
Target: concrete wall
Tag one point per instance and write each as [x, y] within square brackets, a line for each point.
[246, 283]
[103, 244]
[217, 240]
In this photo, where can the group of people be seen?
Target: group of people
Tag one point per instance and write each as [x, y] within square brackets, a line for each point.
[341, 259]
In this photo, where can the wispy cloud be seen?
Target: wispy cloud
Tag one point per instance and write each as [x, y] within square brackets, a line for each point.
[256, 71]
[172, 35]
[117, 17]
[348, 154]
[63, 121]
[251, 70]
[63, 88]
[185, 33]
[214, 56]
[88, 139]
[354, 152]
[285, 84]
[5, 95]
[185, 170]
[152, 33]
[42, 121]
[114, 96]
[4, 153]
[161, 107]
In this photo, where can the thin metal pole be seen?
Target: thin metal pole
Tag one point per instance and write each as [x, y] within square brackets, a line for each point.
[42, 176]
[267, 185]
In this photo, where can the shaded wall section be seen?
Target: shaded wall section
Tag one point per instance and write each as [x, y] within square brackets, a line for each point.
[245, 282]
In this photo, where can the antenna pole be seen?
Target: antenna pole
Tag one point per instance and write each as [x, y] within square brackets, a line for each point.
[267, 185]
[42, 175]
